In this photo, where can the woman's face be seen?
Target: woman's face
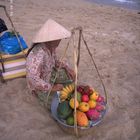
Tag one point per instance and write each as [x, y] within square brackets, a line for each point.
[52, 44]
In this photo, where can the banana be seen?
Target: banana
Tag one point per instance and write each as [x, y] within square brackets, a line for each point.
[64, 94]
[62, 98]
[70, 87]
[65, 89]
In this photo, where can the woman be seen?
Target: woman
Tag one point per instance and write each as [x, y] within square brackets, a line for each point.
[42, 59]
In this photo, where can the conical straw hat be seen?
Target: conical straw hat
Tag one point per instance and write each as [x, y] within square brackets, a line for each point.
[51, 31]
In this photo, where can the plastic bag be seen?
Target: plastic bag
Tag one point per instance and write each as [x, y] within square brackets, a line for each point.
[9, 43]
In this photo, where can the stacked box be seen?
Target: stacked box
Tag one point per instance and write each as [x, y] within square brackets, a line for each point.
[14, 65]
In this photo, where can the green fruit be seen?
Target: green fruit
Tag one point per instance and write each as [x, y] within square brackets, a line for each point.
[70, 120]
[64, 110]
[79, 96]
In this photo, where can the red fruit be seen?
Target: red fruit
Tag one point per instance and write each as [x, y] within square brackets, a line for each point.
[85, 98]
[99, 107]
[100, 99]
[93, 114]
[85, 93]
[80, 89]
[90, 91]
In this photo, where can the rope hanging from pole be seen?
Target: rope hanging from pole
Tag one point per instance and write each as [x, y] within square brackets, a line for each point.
[95, 67]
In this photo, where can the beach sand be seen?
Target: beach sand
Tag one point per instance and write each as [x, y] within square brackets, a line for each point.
[113, 35]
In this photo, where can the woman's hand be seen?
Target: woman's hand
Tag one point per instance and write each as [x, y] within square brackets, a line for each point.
[57, 87]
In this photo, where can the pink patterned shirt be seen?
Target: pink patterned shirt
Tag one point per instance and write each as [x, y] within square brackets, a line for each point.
[39, 65]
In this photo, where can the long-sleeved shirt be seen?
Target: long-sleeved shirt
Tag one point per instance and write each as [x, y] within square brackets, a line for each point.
[39, 65]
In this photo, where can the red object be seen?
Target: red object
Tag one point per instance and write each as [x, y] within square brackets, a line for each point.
[93, 114]
[85, 93]
[85, 98]
[90, 91]
[100, 99]
[99, 107]
[80, 89]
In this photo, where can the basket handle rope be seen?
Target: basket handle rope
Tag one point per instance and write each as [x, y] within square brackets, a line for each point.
[93, 61]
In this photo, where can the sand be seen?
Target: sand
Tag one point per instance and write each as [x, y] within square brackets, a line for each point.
[113, 36]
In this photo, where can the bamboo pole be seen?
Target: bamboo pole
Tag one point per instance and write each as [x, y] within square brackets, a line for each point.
[75, 92]
[79, 44]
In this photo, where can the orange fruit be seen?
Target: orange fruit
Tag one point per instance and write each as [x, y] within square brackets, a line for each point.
[72, 103]
[82, 119]
[94, 96]
[92, 103]
[84, 107]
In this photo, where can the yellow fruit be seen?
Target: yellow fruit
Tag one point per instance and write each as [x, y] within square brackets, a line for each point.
[72, 103]
[92, 103]
[84, 107]
[94, 96]
[66, 92]
[63, 95]
[65, 89]
[71, 88]
[82, 119]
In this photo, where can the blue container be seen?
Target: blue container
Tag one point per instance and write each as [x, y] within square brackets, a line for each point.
[9, 43]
